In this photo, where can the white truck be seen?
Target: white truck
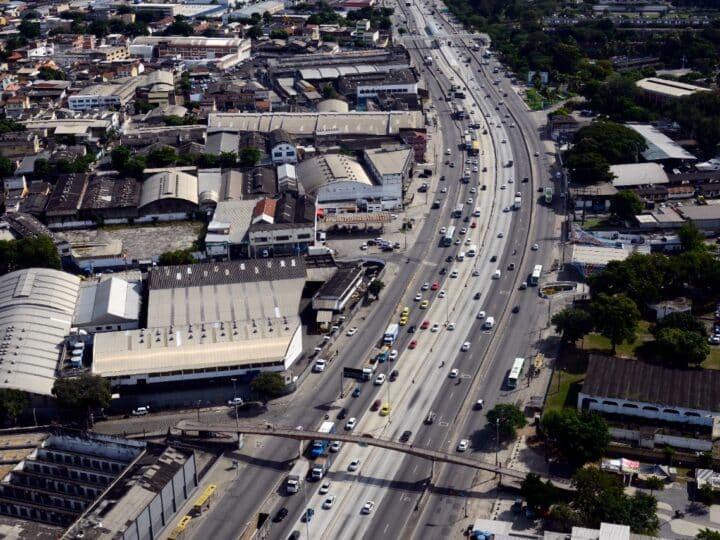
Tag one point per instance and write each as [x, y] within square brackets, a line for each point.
[428, 60]
[518, 203]
[296, 476]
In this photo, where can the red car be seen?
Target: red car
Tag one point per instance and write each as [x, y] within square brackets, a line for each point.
[425, 325]
[413, 344]
[376, 405]
[473, 225]
[434, 286]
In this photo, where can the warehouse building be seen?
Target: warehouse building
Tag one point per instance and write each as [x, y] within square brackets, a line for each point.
[210, 321]
[108, 303]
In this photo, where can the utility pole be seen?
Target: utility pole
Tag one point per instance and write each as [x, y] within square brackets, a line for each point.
[235, 403]
[497, 440]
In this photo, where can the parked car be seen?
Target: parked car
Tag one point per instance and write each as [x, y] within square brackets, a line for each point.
[141, 411]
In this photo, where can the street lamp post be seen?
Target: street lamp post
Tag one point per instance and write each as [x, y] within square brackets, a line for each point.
[497, 440]
[235, 403]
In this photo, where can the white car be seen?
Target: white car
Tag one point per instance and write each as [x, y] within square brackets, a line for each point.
[379, 379]
[465, 346]
[463, 445]
[368, 507]
[473, 190]
[510, 180]
[475, 169]
[503, 186]
[324, 488]
[443, 190]
[443, 230]
[535, 247]
[393, 355]
[354, 464]
[454, 373]
[335, 446]
[352, 331]
[141, 411]
[457, 242]
[418, 297]
[463, 230]
[328, 502]
[435, 327]
[536, 154]
[481, 315]
[469, 200]
[451, 326]
[448, 152]
[235, 402]
[442, 293]
[425, 286]
[468, 161]
[350, 424]
[454, 274]
[714, 340]
[506, 209]
[319, 366]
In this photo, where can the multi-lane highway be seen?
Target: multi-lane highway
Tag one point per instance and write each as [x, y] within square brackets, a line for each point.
[393, 481]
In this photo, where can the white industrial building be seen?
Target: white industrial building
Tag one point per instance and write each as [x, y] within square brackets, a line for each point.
[660, 147]
[36, 312]
[205, 321]
[108, 303]
[638, 174]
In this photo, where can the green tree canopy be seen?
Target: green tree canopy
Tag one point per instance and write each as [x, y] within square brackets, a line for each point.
[708, 534]
[28, 252]
[681, 347]
[162, 157]
[268, 384]
[375, 287]
[250, 156]
[120, 156]
[7, 167]
[615, 317]
[614, 142]
[506, 418]
[572, 323]
[180, 256]
[49, 74]
[642, 277]
[540, 496]
[691, 237]
[82, 393]
[12, 404]
[580, 437]
[228, 159]
[588, 168]
[683, 321]
[626, 204]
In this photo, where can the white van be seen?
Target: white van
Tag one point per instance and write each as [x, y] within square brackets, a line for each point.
[497, 274]
[476, 213]
[489, 323]
[461, 256]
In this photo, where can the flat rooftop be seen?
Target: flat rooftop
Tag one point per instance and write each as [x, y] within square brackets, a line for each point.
[659, 145]
[674, 89]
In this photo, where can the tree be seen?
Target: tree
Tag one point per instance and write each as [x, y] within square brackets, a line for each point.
[682, 321]
[120, 156]
[589, 168]
[329, 92]
[12, 404]
[29, 29]
[615, 317]
[175, 120]
[653, 483]
[506, 418]
[705, 494]
[540, 496]
[227, 159]
[572, 324]
[580, 437]
[615, 142]
[42, 168]
[47, 73]
[254, 32]
[162, 157]
[7, 167]
[279, 34]
[626, 204]
[268, 384]
[691, 237]
[206, 161]
[681, 347]
[707, 534]
[82, 393]
[180, 256]
[180, 27]
[39, 252]
[250, 156]
[375, 287]
[641, 277]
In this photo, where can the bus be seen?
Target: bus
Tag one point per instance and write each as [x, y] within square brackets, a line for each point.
[447, 238]
[535, 276]
[515, 373]
[468, 143]
[458, 211]
[475, 148]
[460, 114]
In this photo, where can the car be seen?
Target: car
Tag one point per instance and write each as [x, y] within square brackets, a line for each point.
[454, 274]
[328, 502]
[308, 515]
[141, 411]
[476, 272]
[235, 402]
[467, 242]
[354, 464]
[465, 346]
[525, 180]
[523, 285]
[418, 297]
[368, 507]
[335, 446]
[469, 200]
[405, 437]
[405, 311]
[363, 246]
[479, 404]
[425, 286]
[477, 295]
[536, 154]
[511, 266]
[457, 241]
[442, 293]
[352, 331]
[425, 325]
[380, 379]
[342, 414]
[430, 418]
[463, 230]
[504, 141]
[376, 405]
[443, 271]
[468, 161]
[452, 164]
[424, 304]
[435, 327]
[449, 258]
[356, 392]
[454, 372]
[393, 355]
[473, 225]
[503, 186]
[385, 410]
[463, 445]
[510, 181]
[472, 189]
[506, 209]
[434, 286]
[350, 424]
[516, 309]
[493, 258]
[475, 169]
[324, 488]
[448, 152]
[394, 374]
[281, 514]
[501, 235]
[714, 340]
[535, 247]
[412, 344]
[443, 230]
[412, 329]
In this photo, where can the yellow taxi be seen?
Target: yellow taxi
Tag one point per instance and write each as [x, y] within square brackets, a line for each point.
[403, 321]
[424, 304]
[405, 312]
[385, 410]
